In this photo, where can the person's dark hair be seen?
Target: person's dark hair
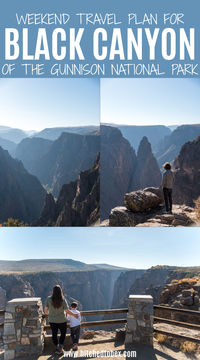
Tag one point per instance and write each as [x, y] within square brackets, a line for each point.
[57, 297]
[74, 305]
[167, 166]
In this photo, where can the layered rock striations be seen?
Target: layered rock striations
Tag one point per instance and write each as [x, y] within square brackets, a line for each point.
[77, 203]
[187, 174]
[21, 194]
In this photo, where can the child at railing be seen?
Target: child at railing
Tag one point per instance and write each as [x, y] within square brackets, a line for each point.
[75, 325]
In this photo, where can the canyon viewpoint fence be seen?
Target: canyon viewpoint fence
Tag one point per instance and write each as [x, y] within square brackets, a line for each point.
[23, 327]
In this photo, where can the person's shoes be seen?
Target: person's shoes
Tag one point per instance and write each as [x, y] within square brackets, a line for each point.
[59, 350]
[165, 212]
[75, 347]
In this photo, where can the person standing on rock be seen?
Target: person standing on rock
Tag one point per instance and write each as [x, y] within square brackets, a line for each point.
[56, 308]
[167, 184]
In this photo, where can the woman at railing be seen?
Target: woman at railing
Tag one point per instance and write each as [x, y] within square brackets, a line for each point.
[56, 308]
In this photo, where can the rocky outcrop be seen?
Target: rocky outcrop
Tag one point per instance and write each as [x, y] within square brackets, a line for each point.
[147, 172]
[22, 196]
[118, 162]
[77, 204]
[187, 174]
[141, 200]
[170, 146]
[145, 208]
[184, 294]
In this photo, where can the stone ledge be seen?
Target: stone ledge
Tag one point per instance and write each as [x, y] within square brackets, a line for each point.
[141, 297]
[24, 301]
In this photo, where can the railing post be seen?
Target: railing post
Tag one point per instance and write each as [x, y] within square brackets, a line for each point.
[140, 320]
[23, 328]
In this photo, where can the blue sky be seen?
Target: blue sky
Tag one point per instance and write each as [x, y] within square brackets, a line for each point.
[128, 247]
[150, 101]
[33, 104]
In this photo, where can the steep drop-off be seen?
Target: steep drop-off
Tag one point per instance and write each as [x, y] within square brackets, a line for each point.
[123, 284]
[187, 174]
[92, 288]
[147, 172]
[118, 162]
[61, 161]
[77, 204]
[21, 194]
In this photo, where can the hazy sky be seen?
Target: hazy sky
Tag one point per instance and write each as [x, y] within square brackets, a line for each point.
[128, 247]
[150, 101]
[33, 104]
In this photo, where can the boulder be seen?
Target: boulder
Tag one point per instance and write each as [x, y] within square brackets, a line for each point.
[187, 292]
[157, 191]
[188, 301]
[138, 201]
[120, 216]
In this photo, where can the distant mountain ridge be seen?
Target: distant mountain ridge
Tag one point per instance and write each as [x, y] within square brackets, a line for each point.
[55, 132]
[171, 145]
[53, 265]
[13, 134]
[135, 133]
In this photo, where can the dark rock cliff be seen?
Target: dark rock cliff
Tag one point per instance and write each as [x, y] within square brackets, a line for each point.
[123, 284]
[146, 283]
[187, 174]
[58, 162]
[77, 204]
[147, 172]
[118, 162]
[21, 194]
[92, 288]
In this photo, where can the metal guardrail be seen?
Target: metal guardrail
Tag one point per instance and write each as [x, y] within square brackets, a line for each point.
[101, 322]
[182, 311]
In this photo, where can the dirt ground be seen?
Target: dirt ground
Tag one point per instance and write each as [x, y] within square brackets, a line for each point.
[106, 349]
